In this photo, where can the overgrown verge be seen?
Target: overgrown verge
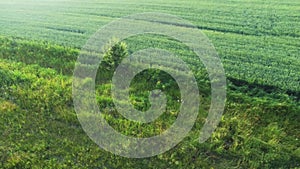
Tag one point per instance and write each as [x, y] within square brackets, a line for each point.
[39, 128]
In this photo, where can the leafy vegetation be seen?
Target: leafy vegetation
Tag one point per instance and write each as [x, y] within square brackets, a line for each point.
[40, 126]
[258, 42]
[260, 35]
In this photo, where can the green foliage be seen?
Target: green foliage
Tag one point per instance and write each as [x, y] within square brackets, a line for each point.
[257, 41]
[115, 52]
[32, 52]
[260, 35]
[114, 55]
[40, 129]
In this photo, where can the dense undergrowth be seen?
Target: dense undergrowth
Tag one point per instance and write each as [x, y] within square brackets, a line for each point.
[39, 127]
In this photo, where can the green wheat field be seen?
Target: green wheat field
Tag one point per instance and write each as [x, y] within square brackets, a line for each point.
[257, 41]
